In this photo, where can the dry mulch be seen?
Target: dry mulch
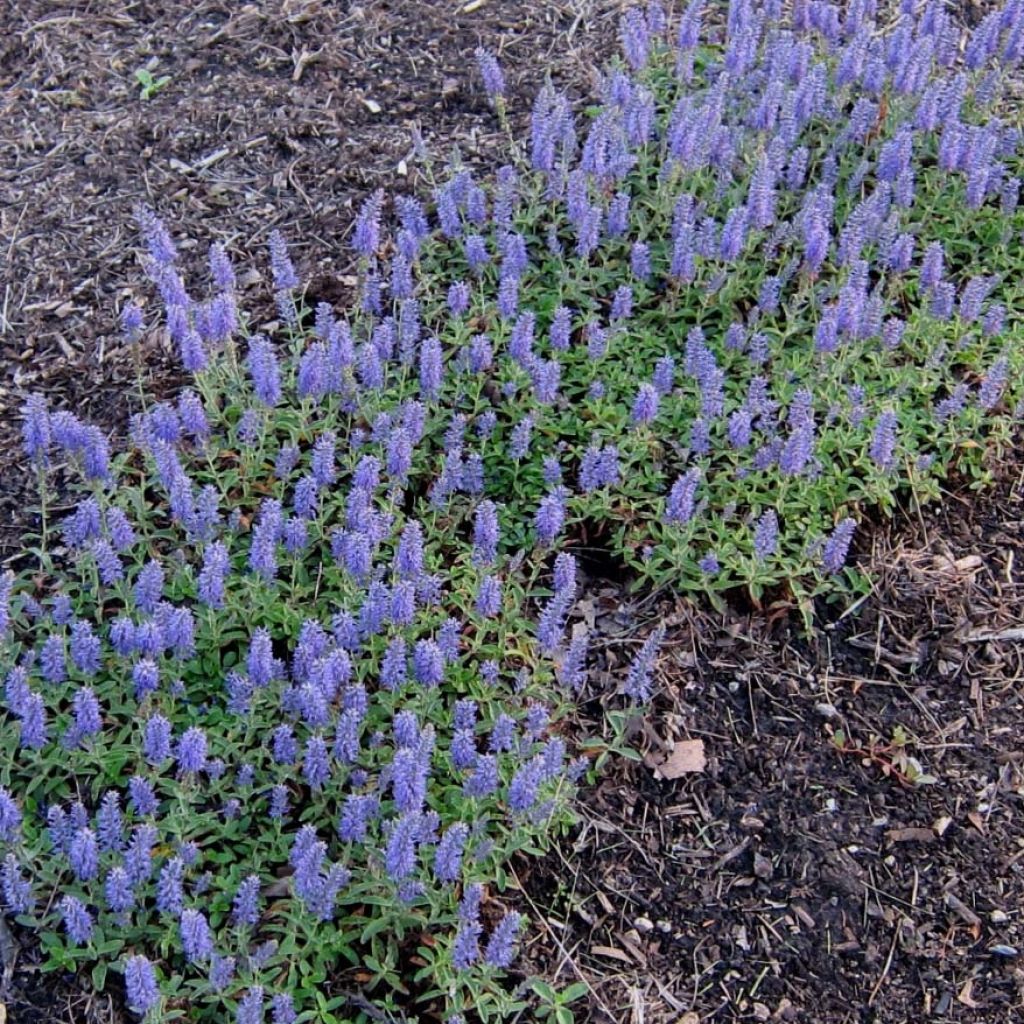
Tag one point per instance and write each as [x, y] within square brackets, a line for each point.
[789, 880]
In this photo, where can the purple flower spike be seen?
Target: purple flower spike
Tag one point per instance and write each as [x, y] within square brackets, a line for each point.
[485, 533]
[883, 441]
[285, 279]
[196, 939]
[500, 947]
[645, 405]
[766, 535]
[490, 72]
[836, 548]
[637, 686]
[77, 920]
[366, 238]
[141, 985]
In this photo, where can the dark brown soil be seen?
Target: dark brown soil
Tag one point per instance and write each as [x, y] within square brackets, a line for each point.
[790, 880]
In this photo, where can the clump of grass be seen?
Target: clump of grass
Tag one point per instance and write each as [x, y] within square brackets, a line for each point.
[294, 708]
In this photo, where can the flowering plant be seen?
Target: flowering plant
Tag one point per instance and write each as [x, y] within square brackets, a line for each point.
[287, 705]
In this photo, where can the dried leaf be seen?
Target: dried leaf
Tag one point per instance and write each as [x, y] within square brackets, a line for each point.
[613, 954]
[687, 756]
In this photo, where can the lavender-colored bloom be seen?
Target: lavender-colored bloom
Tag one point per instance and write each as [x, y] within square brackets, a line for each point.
[196, 939]
[640, 260]
[709, 564]
[932, 268]
[84, 854]
[645, 405]
[766, 535]
[428, 663]
[282, 1009]
[222, 972]
[366, 237]
[550, 517]
[87, 717]
[431, 367]
[138, 860]
[156, 743]
[634, 34]
[523, 789]
[145, 678]
[488, 599]
[316, 766]
[993, 321]
[260, 662]
[285, 279]
[590, 473]
[141, 987]
[463, 749]
[546, 375]
[681, 503]
[191, 753]
[357, 813]
[993, 384]
[10, 817]
[33, 733]
[484, 779]
[400, 853]
[485, 533]
[35, 429]
[490, 72]
[77, 920]
[118, 891]
[519, 442]
[973, 296]
[245, 909]
[149, 585]
[448, 856]
[500, 947]
[837, 546]
[278, 808]
[943, 297]
[637, 685]
[109, 823]
[141, 798]
[85, 648]
[883, 441]
[264, 370]
[466, 947]
[508, 296]
[561, 329]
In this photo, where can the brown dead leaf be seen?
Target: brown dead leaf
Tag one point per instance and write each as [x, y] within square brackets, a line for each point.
[910, 835]
[965, 996]
[960, 566]
[613, 954]
[686, 756]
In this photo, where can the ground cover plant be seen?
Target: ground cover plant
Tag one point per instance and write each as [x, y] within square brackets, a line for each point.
[285, 722]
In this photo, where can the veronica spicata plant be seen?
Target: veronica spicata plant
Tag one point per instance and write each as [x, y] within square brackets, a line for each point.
[288, 706]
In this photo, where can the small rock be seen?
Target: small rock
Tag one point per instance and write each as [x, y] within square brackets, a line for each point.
[999, 917]
[763, 867]
[826, 710]
[643, 925]
[1001, 949]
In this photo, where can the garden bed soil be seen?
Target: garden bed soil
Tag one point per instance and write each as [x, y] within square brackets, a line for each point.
[788, 880]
